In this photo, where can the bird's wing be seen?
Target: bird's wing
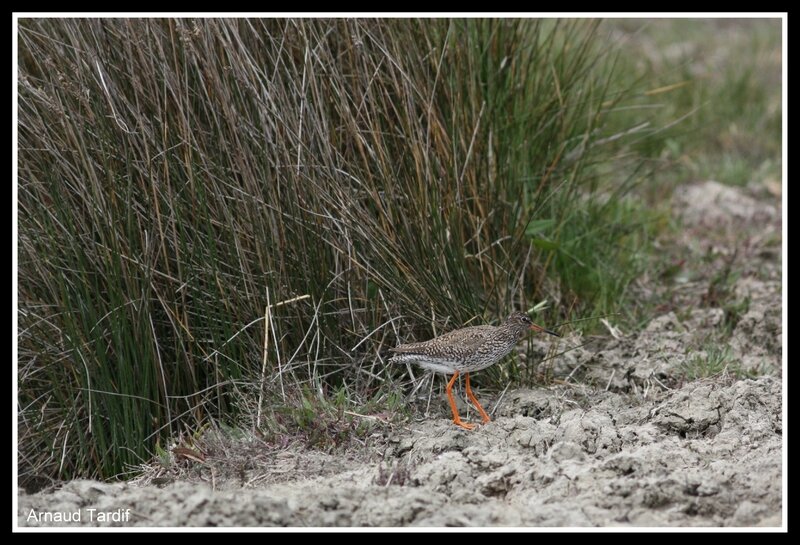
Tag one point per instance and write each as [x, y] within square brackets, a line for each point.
[466, 339]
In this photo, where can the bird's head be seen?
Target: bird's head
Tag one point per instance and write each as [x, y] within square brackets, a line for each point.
[522, 323]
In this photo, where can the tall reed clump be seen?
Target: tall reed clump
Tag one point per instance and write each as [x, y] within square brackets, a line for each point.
[361, 177]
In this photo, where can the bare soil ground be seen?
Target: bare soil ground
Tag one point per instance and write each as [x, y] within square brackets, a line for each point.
[646, 431]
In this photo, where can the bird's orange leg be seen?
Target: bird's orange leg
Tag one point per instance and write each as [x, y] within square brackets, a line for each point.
[474, 400]
[456, 419]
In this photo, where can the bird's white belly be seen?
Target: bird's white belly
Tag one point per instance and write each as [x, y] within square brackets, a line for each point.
[447, 367]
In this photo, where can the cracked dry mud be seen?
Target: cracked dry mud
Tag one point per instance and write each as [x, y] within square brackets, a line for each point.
[631, 441]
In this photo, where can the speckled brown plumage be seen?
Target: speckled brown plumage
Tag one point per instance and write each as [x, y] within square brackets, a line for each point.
[466, 350]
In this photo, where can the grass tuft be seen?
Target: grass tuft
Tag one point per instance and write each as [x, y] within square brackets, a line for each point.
[364, 181]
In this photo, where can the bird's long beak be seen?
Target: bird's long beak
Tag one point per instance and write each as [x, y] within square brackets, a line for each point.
[540, 328]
